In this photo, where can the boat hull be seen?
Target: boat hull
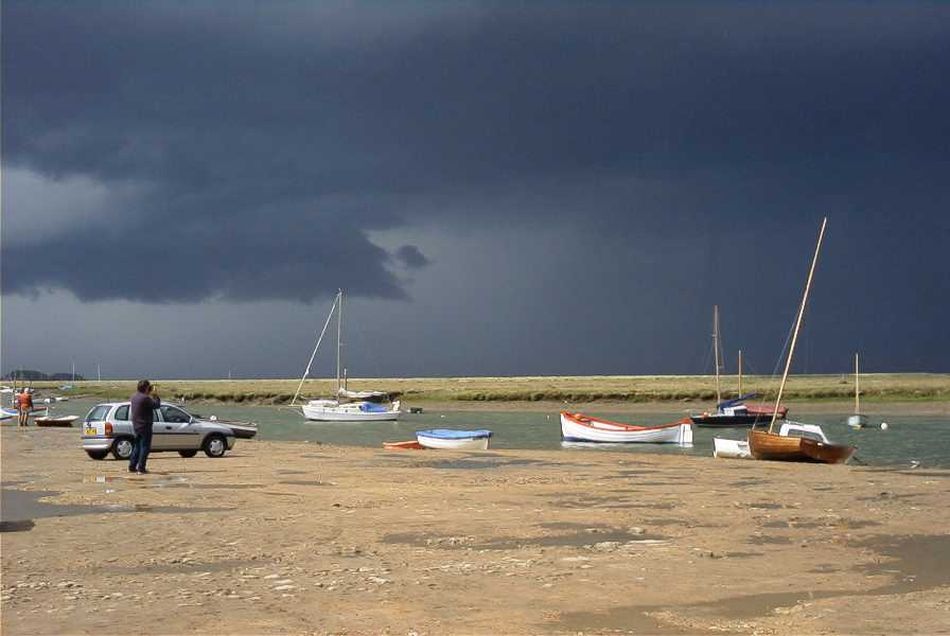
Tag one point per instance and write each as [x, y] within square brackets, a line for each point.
[411, 444]
[576, 427]
[715, 420]
[466, 443]
[731, 449]
[324, 414]
[857, 421]
[60, 422]
[769, 446]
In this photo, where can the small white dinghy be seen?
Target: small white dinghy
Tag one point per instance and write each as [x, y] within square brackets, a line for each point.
[731, 448]
[576, 427]
[454, 439]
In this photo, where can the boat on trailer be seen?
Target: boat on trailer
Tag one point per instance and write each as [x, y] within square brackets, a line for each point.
[64, 421]
[577, 427]
[796, 442]
[454, 439]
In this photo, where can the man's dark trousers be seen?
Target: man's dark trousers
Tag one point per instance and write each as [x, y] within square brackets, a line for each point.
[141, 449]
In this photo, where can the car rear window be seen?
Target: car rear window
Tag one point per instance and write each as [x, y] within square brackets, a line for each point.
[98, 413]
[122, 413]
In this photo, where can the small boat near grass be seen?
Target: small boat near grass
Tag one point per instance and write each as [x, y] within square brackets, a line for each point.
[411, 444]
[577, 427]
[454, 439]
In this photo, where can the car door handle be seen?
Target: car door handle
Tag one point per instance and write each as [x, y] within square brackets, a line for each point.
[168, 428]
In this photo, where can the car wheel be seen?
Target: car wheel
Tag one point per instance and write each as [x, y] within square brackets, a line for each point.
[215, 445]
[188, 453]
[122, 448]
[97, 454]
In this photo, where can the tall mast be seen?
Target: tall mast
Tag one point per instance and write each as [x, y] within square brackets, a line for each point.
[857, 389]
[339, 339]
[740, 372]
[798, 324]
[716, 350]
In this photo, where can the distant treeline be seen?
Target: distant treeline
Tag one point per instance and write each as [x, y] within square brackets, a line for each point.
[31, 375]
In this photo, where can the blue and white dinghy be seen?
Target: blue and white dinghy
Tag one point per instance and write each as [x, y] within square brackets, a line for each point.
[455, 439]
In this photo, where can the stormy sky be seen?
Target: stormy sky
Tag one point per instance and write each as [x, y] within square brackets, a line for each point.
[501, 188]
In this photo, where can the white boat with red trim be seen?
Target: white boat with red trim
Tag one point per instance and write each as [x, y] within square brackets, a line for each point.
[577, 427]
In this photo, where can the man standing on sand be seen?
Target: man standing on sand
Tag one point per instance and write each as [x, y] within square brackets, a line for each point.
[24, 406]
[144, 402]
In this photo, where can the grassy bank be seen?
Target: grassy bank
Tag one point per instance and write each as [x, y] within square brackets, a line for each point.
[577, 389]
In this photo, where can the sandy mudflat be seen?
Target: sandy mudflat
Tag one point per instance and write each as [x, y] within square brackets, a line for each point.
[304, 538]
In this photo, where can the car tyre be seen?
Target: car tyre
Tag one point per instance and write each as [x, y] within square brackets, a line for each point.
[122, 448]
[188, 453]
[97, 454]
[215, 445]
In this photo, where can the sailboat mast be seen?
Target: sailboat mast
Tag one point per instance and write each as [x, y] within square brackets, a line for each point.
[716, 350]
[798, 324]
[740, 372]
[339, 340]
[857, 387]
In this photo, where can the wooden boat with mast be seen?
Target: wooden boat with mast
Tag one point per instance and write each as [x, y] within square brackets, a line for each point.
[797, 442]
[735, 412]
[857, 420]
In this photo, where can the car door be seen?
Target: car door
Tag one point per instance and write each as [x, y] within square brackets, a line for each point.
[176, 429]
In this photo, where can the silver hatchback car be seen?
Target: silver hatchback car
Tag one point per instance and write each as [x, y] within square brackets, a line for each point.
[107, 429]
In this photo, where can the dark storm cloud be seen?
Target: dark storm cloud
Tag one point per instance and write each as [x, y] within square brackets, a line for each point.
[271, 142]
[410, 256]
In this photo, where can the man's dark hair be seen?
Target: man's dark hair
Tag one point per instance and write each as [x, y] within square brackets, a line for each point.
[143, 385]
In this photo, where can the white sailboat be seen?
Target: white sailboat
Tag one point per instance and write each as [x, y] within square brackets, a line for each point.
[347, 406]
[857, 420]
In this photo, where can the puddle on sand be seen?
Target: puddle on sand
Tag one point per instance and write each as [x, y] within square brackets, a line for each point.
[191, 567]
[917, 563]
[586, 537]
[605, 502]
[766, 539]
[480, 462]
[846, 524]
[17, 507]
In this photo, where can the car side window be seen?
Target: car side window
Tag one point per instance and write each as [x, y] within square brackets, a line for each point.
[122, 413]
[97, 414]
[175, 415]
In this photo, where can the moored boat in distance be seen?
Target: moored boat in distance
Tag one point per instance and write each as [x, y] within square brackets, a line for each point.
[857, 420]
[347, 406]
[454, 439]
[577, 427]
[736, 412]
[335, 411]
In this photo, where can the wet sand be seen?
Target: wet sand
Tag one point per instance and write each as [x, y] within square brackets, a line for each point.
[283, 537]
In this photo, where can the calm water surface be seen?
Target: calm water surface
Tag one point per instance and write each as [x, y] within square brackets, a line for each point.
[911, 438]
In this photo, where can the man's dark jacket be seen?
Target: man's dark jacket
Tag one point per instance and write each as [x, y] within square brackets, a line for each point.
[141, 412]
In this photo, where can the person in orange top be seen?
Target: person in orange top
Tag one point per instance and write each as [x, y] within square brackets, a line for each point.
[25, 403]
